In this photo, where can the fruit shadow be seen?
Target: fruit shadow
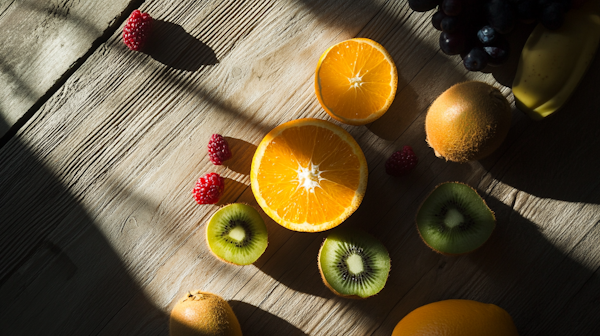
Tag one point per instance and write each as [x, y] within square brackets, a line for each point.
[231, 191]
[557, 157]
[546, 287]
[255, 321]
[242, 153]
[172, 46]
[291, 259]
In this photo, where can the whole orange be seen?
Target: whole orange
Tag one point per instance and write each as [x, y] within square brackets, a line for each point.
[457, 318]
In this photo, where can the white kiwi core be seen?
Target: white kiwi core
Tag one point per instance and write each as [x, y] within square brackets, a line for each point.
[355, 264]
[237, 233]
[453, 218]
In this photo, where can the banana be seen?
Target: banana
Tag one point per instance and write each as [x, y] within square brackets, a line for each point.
[553, 62]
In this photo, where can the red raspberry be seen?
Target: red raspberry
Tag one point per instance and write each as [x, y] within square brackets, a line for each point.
[401, 162]
[218, 149]
[209, 188]
[137, 29]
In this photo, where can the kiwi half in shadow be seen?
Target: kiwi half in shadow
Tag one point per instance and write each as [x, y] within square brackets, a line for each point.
[353, 264]
[454, 219]
[237, 234]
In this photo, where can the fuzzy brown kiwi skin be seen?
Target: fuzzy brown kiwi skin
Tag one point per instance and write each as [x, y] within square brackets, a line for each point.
[206, 235]
[485, 140]
[438, 251]
[187, 316]
[353, 297]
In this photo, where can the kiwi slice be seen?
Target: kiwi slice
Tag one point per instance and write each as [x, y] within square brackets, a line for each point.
[353, 264]
[237, 234]
[454, 219]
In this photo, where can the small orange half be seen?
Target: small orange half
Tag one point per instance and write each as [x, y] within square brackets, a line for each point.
[356, 81]
[309, 175]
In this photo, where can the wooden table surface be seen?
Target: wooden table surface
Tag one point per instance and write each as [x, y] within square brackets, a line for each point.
[101, 148]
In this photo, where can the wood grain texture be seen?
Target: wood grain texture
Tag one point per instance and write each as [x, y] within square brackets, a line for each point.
[100, 234]
[42, 41]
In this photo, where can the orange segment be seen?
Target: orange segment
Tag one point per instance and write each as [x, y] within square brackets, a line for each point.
[309, 175]
[356, 81]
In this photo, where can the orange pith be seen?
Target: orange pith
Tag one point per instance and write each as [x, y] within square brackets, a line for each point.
[356, 81]
[309, 175]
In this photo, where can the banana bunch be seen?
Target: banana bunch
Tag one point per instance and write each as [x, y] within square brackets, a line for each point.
[554, 61]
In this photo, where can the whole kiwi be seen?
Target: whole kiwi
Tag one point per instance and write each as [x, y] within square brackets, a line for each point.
[467, 122]
[203, 314]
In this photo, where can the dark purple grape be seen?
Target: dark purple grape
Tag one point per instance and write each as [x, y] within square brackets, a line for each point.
[501, 15]
[553, 16]
[436, 19]
[476, 59]
[452, 7]
[452, 24]
[487, 35]
[564, 3]
[423, 5]
[497, 56]
[452, 44]
[527, 10]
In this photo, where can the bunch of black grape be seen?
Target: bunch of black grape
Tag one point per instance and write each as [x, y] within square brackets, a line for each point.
[476, 29]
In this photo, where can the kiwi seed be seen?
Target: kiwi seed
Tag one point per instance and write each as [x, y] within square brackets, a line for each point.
[237, 234]
[353, 264]
[454, 219]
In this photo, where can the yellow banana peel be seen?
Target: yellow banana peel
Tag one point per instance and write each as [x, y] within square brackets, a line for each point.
[553, 62]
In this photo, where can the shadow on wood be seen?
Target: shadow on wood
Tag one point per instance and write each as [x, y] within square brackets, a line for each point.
[242, 153]
[539, 281]
[172, 46]
[231, 192]
[291, 259]
[521, 269]
[57, 268]
[256, 321]
[557, 157]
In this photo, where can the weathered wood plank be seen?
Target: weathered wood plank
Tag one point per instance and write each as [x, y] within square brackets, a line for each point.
[96, 189]
[41, 42]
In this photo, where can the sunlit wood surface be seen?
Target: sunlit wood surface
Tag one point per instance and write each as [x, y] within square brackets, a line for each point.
[99, 233]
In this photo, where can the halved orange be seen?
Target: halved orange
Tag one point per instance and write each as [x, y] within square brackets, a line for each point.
[309, 175]
[356, 81]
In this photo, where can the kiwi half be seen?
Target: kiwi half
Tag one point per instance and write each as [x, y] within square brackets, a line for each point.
[237, 234]
[454, 219]
[353, 264]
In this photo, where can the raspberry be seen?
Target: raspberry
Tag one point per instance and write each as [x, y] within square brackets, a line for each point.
[137, 29]
[401, 162]
[209, 188]
[218, 149]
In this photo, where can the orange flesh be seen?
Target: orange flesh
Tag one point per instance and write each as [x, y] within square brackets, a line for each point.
[356, 81]
[309, 176]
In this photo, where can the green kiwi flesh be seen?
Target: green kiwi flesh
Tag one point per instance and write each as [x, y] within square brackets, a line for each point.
[454, 219]
[353, 263]
[237, 234]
